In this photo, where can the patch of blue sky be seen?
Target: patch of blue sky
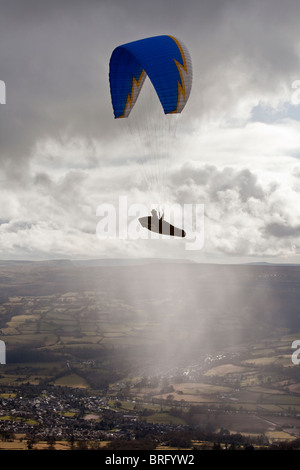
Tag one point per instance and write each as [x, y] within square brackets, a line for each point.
[267, 114]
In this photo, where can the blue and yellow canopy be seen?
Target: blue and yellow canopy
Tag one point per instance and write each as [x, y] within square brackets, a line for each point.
[168, 65]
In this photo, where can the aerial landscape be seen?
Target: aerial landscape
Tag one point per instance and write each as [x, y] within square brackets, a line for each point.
[152, 355]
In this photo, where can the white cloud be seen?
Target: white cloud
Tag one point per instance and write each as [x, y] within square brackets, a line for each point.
[62, 153]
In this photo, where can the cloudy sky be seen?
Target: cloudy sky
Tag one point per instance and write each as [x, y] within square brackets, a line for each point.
[236, 153]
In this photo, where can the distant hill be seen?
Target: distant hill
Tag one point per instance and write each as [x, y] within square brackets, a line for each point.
[93, 262]
[50, 262]
[127, 261]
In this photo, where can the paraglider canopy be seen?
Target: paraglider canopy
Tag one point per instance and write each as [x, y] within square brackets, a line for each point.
[167, 63]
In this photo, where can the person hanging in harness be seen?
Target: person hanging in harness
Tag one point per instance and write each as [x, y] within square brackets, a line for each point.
[156, 220]
[157, 224]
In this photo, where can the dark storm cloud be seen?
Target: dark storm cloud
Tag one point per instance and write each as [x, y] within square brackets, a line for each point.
[54, 59]
[52, 64]
[282, 230]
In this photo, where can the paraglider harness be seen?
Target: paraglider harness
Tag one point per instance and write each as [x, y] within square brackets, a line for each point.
[159, 225]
